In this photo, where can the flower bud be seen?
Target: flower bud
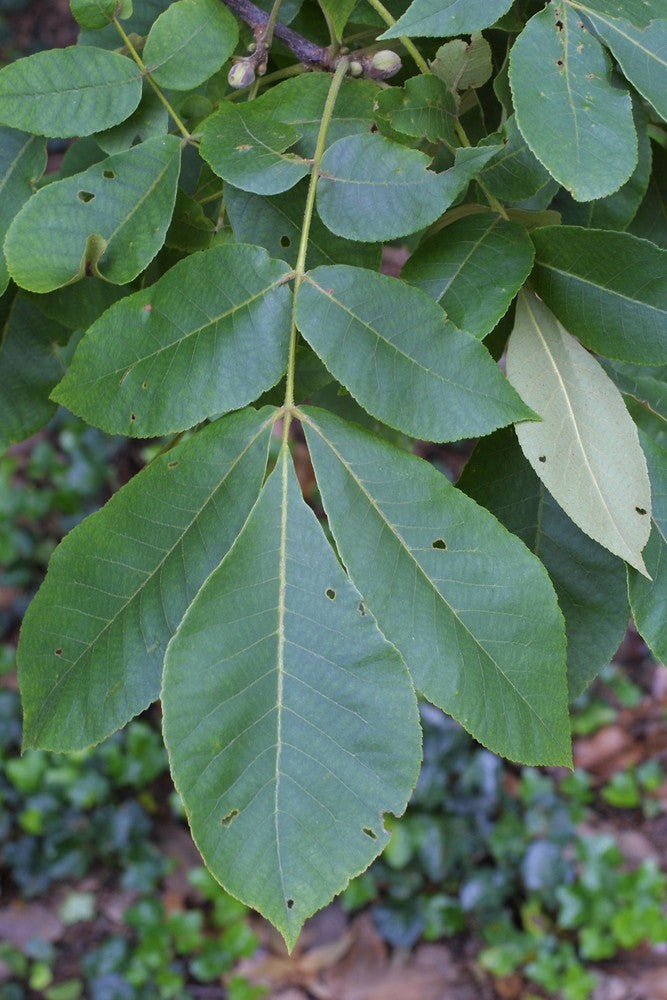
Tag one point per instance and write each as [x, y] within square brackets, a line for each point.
[386, 63]
[356, 69]
[242, 74]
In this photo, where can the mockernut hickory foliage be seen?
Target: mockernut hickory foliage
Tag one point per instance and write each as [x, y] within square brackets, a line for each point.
[205, 266]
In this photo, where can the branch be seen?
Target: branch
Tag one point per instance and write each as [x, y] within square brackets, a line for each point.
[376, 66]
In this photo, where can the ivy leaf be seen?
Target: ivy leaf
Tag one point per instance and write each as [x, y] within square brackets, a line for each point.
[109, 221]
[29, 368]
[189, 42]
[600, 480]
[291, 723]
[300, 103]
[276, 224]
[66, 92]
[648, 598]
[401, 358]
[442, 18]
[561, 75]
[470, 609]
[94, 638]
[247, 148]
[22, 163]
[226, 339]
[473, 268]
[641, 52]
[589, 581]
[371, 189]
[514, 174]
[608, 288]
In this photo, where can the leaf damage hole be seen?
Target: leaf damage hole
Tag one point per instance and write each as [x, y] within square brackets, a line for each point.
[439, 543]
[331, 593]
[133, 417]
[290, 904]
[640, 510]
[541, 458]
[285, 241]
[110, 175]
[226, 820]
[58, 651]
[559, 62]
[559, 25]
[144, 385]
[369, 833]
[362, 609]
[85, 196]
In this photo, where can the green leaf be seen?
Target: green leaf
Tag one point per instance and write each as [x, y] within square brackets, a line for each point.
[471, 610]
[190, 228]
[291, 723]
[149, 120]
[638, 12]
[423, 107]
[78, 306]
[373, 189]
[339, 12]
[108, 221]
[647, 384]
[473, 268]
[139, 23]
[216, 324]
[650, 222]
[648, 598]
[29, 368]
[94, 638]
[300, 103]
[641, 52]
[462, 64]
[22, 163]
[608, 288]
[189, 42]
[514, 174]
[401, 358]
[66, 92]
[247, 148]
[98, 13]
[442, 18]
[598, 478]
[575, 121]
[276, 224]
[589, 581]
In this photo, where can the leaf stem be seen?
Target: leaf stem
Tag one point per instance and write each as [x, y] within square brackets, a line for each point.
[406, 42]
[300, 267]
[142, 66]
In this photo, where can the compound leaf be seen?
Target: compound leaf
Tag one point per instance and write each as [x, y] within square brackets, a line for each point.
[576, 123]
[589, 581]
[608, 288]
[94, 638]
[109, 221]
[189, 42]
[442, 18]
[217, 323]
[470, 609]
[401, 358]
[247, 148]
[66, 92]
[22, 162]
[474, 267]
[599, 479]
[291, 723]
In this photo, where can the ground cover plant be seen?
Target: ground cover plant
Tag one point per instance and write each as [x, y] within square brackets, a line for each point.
[206, 265]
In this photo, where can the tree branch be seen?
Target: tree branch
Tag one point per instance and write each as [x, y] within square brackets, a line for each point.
[307, 52]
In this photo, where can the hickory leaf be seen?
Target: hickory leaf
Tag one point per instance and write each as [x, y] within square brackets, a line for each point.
[599, 480]
[561, 74]
[301, 728]
[94, 638]
[468, 633]
[108, 221]
[428, 379]
[189, 328]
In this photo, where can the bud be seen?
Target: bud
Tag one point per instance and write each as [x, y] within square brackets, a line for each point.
[356, 69]
[242, 74]
[386, 63]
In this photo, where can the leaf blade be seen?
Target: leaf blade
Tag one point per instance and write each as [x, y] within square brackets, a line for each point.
[441, 18]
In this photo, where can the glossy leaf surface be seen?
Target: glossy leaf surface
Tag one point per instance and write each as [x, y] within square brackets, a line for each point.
[291, 723]
[451, 588]
[94, 638]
